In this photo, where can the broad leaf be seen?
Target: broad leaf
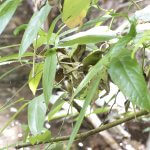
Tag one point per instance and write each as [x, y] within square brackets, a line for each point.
[7, 9]
[36, 115]
[127, 75]
[49, 71]
[74, 12]
[94, 35]
[104, 62]
[94, 84]
[35, 77]
[33, 27]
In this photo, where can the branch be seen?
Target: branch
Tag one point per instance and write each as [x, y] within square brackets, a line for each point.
[91, 132]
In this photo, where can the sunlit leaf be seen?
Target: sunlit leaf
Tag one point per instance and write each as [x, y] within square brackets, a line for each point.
[33, 27]
[74, 12]
[94, 35]
[35, 77]
[36, 115]
[49, 72]
[7, 9]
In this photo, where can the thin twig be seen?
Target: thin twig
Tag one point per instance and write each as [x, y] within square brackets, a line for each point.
[91, 132]
[138, 7]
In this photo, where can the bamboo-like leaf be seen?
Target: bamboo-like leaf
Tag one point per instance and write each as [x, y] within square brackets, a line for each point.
[127, 75]
[93, 35]
[33, 27]
[52, 27]
[94, 84]
[35, 77]
[99, 67]
[7, 9]
[98, 20]
[36, 115]
[49, 71]
[14, 57]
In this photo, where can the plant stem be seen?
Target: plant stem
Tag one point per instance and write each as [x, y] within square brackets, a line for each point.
[91, 132]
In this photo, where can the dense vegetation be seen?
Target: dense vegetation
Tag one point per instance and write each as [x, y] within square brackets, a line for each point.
[78, 57]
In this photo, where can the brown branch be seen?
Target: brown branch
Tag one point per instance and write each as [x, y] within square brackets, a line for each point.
[91, 132]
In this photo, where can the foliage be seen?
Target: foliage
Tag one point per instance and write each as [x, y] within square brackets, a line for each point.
[75, 62]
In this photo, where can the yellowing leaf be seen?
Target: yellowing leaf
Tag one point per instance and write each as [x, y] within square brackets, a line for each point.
[74, 12]
[35, 77]
[73, 22]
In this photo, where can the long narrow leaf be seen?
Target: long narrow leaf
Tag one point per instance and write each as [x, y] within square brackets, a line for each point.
[49, 71]
[33, 27]
[94, 84]
[93, 35]
[7, 9]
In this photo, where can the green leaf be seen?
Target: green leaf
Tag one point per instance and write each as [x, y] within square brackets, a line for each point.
[14, 57]
[140, 40]
[43, 137]
[92, 58]
[93, 35]
[7, 9]
[19, 29]
[56, 107]
[95, 21]
[127, 75]
[36, 115]
[33, 27]
[35, 77]
[70, 15]
[99, 67]
[52, 27]
[49, 71]
[94, 84]
[104, 62]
